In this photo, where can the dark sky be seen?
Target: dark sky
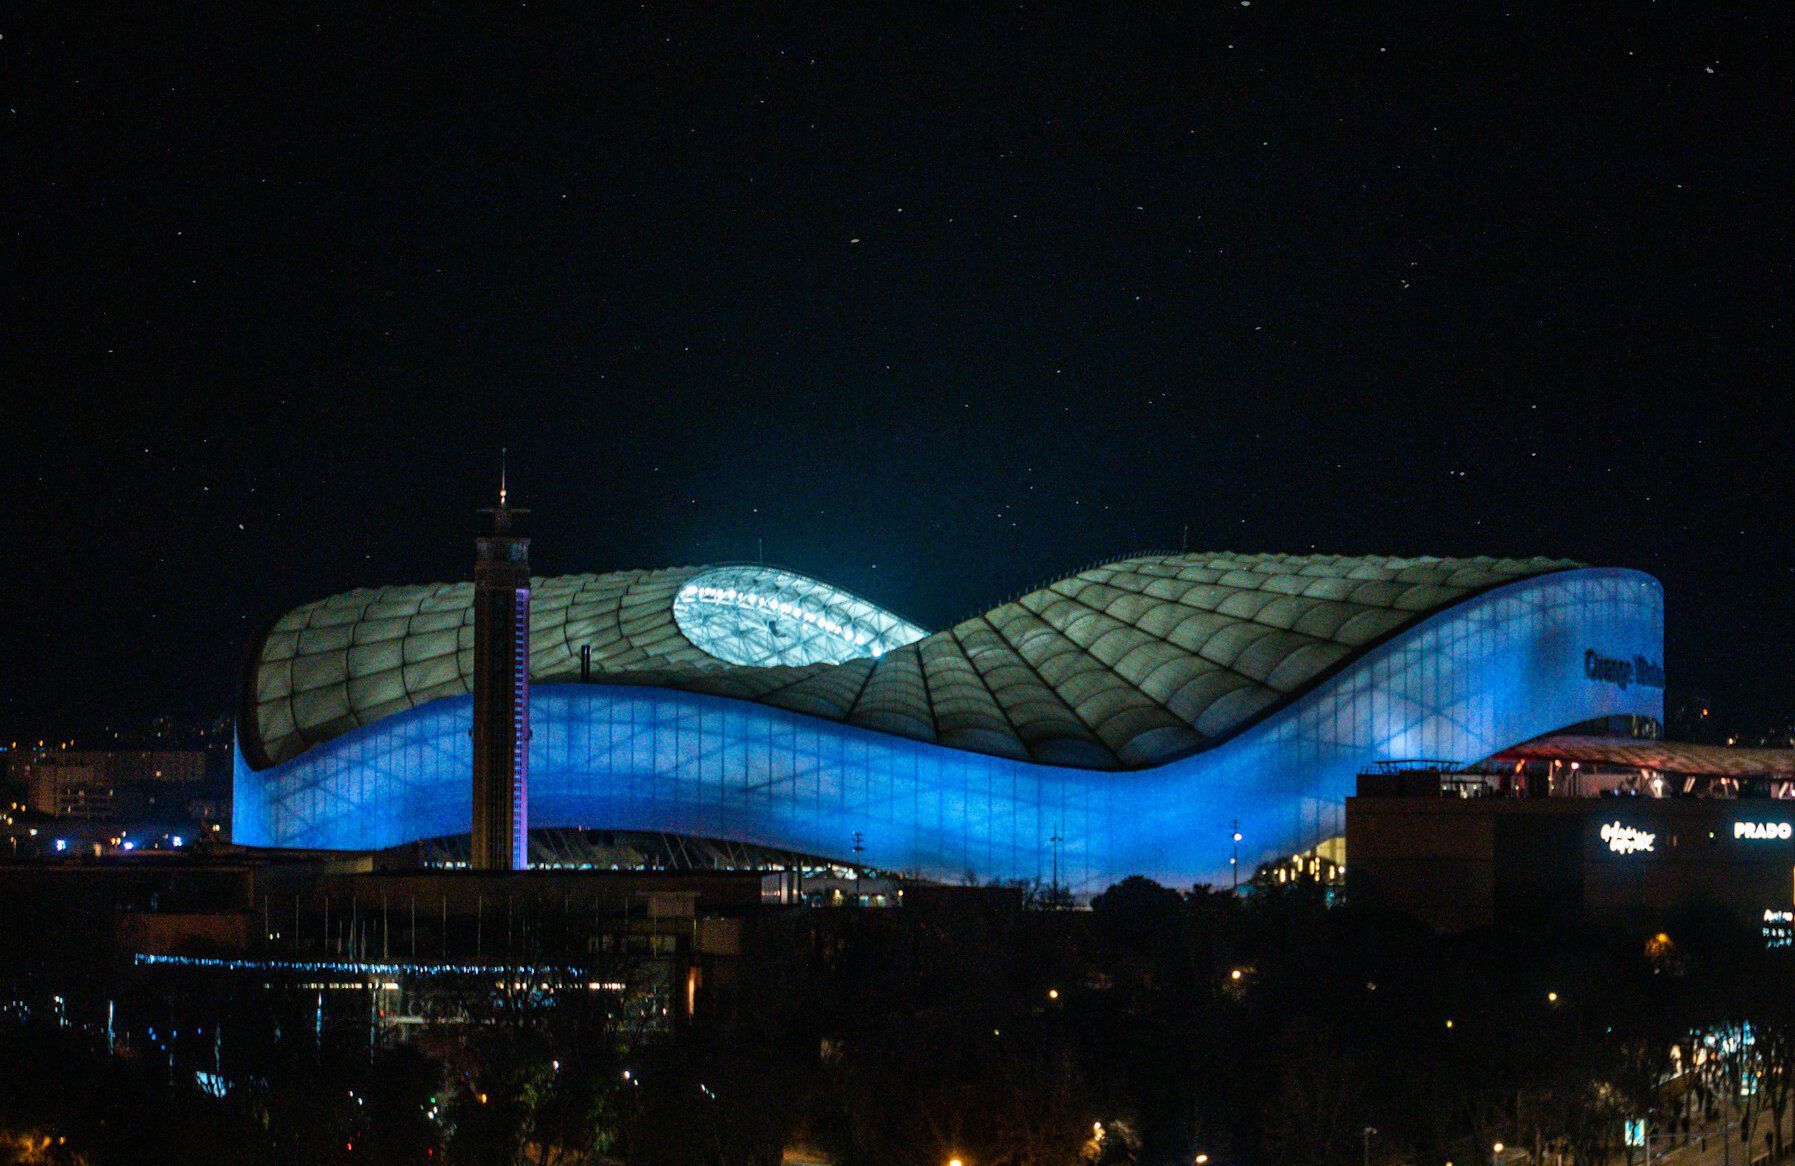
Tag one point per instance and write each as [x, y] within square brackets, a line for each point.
[933, 302]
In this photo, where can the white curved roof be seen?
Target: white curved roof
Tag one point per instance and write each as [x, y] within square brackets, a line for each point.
[346, 661]
[1119, 666]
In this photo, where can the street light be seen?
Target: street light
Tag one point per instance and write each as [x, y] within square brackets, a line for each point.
[1369, 1133]
[1234, 862]
[1056, 840]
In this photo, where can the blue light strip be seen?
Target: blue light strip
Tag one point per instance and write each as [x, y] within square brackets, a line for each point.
[520, 735]
[354, 968]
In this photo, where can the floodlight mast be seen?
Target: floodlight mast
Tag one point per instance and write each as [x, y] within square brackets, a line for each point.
[501, 681]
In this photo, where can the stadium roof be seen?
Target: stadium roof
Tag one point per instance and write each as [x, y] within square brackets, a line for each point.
[1122, 665]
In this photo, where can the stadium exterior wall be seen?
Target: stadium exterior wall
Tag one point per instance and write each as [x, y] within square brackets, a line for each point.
[1501, 667]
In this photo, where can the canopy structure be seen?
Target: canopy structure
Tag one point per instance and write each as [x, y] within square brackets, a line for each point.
[1679, 757]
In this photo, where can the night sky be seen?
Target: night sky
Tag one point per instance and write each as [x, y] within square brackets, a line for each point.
[933, 303]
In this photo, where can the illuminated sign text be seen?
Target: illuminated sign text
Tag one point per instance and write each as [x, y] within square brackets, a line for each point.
[1626, 840]
[1622, 673]
[1779, 928]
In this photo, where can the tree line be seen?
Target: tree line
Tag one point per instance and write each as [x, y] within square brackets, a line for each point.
[1288, 1026]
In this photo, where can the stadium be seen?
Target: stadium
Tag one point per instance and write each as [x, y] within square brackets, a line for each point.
[1130, 718]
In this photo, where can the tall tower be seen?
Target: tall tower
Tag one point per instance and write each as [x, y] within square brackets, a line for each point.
[501, 693]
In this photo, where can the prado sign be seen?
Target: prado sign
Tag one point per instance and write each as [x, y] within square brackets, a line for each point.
[1769, 830]
[1622, 673]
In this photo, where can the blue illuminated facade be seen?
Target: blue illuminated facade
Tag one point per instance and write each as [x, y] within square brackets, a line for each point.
[1458, 683]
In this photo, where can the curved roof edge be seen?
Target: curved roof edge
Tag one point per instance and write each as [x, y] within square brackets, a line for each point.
[372, 651]
[249, 728]
[1396, 633]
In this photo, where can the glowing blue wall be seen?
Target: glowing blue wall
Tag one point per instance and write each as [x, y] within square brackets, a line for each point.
[1502, 667]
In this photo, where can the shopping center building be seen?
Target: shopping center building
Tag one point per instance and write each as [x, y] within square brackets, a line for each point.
[1130, 718]
[1635, 834]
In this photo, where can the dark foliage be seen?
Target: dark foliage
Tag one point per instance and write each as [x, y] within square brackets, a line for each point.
[1272, 1027]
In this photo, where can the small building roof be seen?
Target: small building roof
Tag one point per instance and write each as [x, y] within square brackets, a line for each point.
[1683, 757]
